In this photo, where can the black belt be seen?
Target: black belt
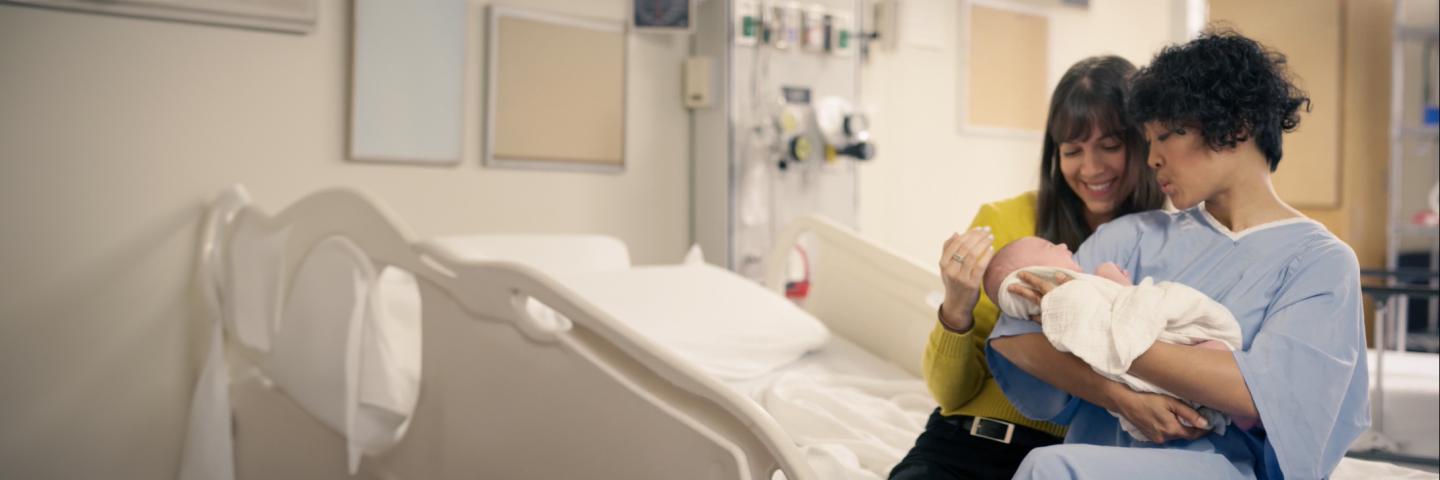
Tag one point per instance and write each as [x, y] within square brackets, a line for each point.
[1005, 432]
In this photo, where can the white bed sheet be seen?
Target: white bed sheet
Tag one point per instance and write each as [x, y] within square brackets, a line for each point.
[1357, 469]
[854, 415]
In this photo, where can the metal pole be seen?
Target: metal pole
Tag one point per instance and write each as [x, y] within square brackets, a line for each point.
[1377, 406]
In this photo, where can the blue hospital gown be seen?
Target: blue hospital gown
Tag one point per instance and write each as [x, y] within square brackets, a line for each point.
[1294, 288]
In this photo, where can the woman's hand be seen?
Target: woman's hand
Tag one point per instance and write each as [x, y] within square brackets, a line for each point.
[962, 266]
[1034, 287]
[1158, 417]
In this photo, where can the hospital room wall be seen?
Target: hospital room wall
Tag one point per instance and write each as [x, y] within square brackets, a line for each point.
[115, 131]
[930, 178]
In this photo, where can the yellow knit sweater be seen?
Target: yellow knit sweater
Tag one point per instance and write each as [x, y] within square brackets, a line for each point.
[954, 363]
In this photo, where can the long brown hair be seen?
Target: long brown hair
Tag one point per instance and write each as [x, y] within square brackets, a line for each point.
[1092, 93]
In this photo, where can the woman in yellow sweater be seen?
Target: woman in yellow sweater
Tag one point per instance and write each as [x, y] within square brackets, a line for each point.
[1092, 170]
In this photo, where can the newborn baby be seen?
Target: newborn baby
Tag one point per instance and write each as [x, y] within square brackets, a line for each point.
[1108, 322]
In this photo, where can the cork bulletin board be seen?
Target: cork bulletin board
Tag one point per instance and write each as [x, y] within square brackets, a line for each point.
[1004, 67]
[556, 92]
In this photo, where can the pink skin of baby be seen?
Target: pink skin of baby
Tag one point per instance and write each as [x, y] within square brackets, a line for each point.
[1036, 251]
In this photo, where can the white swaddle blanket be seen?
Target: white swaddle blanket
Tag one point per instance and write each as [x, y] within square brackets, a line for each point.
[1108, 324]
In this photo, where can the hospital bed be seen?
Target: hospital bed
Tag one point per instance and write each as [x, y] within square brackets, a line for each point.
[527, 370]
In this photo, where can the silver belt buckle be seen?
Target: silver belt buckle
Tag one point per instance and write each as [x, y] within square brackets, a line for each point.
[975, 430]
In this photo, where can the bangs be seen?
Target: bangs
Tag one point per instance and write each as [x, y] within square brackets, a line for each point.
[1074, 118]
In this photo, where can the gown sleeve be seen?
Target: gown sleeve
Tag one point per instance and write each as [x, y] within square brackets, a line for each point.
[1305, 366]
[1113, 242]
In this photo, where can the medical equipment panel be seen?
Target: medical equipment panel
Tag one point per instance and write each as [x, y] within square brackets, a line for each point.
[787, 133]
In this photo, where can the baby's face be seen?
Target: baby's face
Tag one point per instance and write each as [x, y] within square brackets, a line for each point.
[1027, 252]
[1053, 255]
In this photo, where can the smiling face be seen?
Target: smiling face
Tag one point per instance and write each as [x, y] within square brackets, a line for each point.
[1095, 169]
[1189, 172]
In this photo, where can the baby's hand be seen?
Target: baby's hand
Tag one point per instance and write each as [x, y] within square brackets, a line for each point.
[1114, 273]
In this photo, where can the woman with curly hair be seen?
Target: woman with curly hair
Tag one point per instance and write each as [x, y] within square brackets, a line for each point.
[1214, 111]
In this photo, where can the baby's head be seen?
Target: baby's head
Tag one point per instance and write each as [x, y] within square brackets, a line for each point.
[1026, 252]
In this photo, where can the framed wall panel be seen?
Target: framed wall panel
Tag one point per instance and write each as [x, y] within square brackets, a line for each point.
[555, 92]
[1004, 68]
[289, 16]
[407, 89]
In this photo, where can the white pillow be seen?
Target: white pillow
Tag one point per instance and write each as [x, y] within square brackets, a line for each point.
[727, 325]
[557, 255]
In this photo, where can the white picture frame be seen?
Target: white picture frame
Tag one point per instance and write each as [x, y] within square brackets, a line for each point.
[285, 16]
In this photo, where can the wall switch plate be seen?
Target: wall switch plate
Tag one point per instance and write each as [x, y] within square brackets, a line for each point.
[697, 91]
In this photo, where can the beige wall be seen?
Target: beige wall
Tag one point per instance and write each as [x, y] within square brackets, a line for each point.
[930, 179]
[113, 133]
[1360, 219]
[1365, 129]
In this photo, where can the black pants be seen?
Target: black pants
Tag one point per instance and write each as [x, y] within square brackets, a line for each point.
[946, 451]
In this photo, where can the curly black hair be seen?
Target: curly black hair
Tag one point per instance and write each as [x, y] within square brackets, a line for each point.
[1225, 85]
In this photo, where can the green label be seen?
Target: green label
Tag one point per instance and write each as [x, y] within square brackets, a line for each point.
[749, 28]
[844, 39]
